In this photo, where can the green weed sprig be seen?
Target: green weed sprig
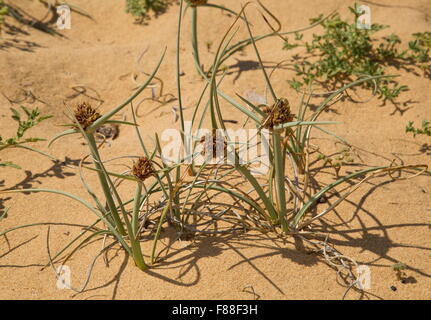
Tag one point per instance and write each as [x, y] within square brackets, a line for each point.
[343, 53]
[4, 10]
[141, 8]
[425, 130]
[18, 141]
[419, 51]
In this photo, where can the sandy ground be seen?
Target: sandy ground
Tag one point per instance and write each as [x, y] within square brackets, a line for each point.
[382, 223]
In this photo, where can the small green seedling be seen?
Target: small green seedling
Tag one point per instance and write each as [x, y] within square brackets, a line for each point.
[398, 268]
[419, 51]
[425, 130]
[3, 13]
[33, 118]
[141, 8]
[343, 157]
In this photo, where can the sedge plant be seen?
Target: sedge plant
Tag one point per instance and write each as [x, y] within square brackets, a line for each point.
[289, 142]
[278, 201]
[111, 211]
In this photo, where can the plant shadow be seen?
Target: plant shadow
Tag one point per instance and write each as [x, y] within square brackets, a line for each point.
[19, 19]
[179, 262]
[57, 170]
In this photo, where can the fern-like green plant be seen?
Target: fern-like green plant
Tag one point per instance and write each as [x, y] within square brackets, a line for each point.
[18, 141]
[419, 49]
[3, 13]
[345, 53]
[141, 8]
[425, 130]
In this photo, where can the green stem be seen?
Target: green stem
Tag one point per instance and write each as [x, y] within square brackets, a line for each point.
[105, 186]
[316, 196]
[195, 45]
[137, 255]
[268, 82]
[279, 180]
[136, 205]
[159, 229]
[250, 178]
[133, 231]
[178, 72]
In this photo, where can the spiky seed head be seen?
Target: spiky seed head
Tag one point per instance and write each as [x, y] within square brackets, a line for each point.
[278, 114]
[86, 115]
[143, 169]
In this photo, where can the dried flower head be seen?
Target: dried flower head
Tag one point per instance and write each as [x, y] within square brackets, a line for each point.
[85, 114]
[278, 114]
[143, 169]
[195, 3]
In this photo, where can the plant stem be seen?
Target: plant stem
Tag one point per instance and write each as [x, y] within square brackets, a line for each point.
[330, 186]
[136, 205]
[134, 237]
[195, 45]
[105, 186]
[159, 229]
[279, 179]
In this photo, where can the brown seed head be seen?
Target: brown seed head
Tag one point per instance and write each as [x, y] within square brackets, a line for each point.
[86, 115]
[195, 3]
[278, 114]
[143, 169]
